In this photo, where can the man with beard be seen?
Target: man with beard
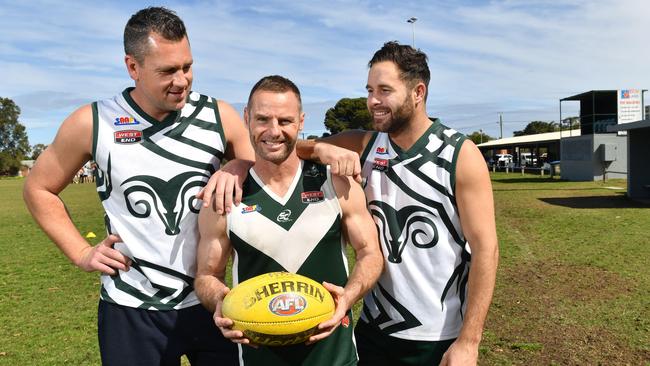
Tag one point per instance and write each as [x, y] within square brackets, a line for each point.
[294, 217]
[430, 194]
[429, 191]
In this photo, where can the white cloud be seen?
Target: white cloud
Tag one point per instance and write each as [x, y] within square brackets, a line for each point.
[516, 57]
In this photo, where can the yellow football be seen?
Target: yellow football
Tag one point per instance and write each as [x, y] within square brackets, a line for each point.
[278, 308]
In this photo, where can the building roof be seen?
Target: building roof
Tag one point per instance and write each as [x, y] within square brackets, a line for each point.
[586, 94]
[528, 139]
[644, 123]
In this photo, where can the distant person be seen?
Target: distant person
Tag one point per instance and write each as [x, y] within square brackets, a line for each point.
[295, 217]
[154, 146]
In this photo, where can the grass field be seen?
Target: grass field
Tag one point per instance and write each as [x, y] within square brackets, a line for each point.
[573, 285]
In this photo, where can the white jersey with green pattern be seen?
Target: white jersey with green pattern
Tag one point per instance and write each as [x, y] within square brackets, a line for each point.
[298, 233]
[148, 173]
[421, 293]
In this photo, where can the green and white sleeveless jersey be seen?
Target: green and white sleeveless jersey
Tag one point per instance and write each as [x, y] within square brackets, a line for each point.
[421, 293]
[298, 233]
[148, 173]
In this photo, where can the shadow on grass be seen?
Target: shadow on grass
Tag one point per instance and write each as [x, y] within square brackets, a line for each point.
[548, 189]
[618, 201]
[528, 180]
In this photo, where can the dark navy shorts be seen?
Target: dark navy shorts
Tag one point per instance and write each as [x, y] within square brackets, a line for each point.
[130, 336]
[378, 349]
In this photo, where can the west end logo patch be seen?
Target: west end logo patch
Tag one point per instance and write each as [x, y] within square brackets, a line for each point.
[312, 197]
[127, 136]
[125, 121]
[252, 208]
[380, 164]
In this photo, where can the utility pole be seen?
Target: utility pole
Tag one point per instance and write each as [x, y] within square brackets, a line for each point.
[501, 124]
[481, 132]
[412, 20]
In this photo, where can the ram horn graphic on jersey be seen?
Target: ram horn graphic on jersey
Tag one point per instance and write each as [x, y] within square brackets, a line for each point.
[169, 199]
[411, 224]
[103, 181]
[156, 296]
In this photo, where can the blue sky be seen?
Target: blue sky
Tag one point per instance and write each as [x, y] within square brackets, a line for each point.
[514, 57]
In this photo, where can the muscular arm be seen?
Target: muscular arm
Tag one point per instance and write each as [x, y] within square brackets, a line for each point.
[360, 231]
[212, 257]
[319, 150]
[52, 172]
[476, 208]
[238, 144]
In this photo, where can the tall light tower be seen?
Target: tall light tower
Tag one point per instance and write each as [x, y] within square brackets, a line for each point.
[412, 20]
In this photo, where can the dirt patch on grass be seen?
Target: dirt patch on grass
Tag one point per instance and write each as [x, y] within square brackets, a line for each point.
[533, 318]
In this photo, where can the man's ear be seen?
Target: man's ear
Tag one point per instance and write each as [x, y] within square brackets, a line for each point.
[246, 117]
[302, 121]
[133, 67]
[420, 92]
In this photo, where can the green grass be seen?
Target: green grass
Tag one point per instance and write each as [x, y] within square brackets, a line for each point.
[573, 285]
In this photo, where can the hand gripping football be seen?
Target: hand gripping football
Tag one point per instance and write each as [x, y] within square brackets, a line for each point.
[278, 308]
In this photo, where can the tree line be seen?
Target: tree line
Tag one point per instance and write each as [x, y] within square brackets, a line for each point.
[347, 114]
[14, 144]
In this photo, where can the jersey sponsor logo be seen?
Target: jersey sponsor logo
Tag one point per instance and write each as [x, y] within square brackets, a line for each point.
[380, 165]
[381, 150]
[251, 208]
[312, 197]
[127, 136]
[284, 216]
[287, 304]
[125, 121]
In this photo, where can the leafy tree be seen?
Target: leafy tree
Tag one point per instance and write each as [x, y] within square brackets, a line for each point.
[479, 137]
[37, 150]
[571, 123]
[14, 145]
[347, 114]
[536, 127]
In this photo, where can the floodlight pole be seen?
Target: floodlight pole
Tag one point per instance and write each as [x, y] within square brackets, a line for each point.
[501, 124]
[412, 20]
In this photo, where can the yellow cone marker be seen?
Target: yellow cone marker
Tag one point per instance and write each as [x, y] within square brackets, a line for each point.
[91, 235]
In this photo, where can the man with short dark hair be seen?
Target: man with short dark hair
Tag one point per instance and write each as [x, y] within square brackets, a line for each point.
[429, 191]
[155, 146]
[295, 217]
[430, 194]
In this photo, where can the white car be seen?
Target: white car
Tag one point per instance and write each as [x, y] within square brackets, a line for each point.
[503, 159]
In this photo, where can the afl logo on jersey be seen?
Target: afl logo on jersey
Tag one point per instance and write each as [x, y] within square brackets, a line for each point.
[127, 136]
[125, 121]
[287, 304]
[252, 208]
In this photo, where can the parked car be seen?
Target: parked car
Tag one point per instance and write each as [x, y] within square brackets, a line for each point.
[527, 159]
[503, 159]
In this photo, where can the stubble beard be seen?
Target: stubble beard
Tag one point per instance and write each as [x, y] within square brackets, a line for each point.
[400, 118]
